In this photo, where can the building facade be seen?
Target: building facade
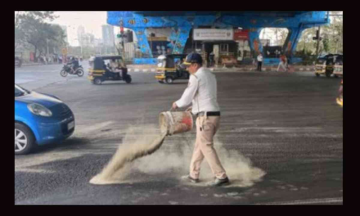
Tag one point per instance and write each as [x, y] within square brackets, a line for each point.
[108, 35]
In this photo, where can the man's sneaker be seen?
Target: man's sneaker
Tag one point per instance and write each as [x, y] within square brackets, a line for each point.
[189, 179]
[220, 182]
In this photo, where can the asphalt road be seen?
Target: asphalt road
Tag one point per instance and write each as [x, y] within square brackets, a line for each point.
[280, 140]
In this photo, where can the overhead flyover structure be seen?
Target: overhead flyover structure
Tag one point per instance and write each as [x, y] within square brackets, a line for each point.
[233, 35]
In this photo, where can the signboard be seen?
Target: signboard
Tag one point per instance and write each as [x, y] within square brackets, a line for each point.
[213, 34]
[64, 51]
[240, 34]
[157, 38]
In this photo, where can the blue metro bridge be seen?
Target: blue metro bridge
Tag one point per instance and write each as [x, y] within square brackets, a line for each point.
[176, 29]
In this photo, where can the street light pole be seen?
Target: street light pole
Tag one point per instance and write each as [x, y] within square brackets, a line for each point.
[47, 47]
[81, 50]
[318, 43]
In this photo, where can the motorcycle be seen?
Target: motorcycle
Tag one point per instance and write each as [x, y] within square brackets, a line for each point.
[68, 70]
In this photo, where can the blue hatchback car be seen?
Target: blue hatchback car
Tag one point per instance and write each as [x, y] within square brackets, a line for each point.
[40, 119]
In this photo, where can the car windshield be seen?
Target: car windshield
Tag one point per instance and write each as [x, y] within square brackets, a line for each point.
[19, 91]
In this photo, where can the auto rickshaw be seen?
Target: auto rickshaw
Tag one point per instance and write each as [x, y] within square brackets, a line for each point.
[328, 65]
[100, 69]
[338, 67]
[168, 68]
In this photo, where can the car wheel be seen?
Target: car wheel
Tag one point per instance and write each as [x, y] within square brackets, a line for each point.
[97, 81]
[63, 73]
[169, 80]
[317, 75]
[336, 76]
[24, 139]
[160, 81]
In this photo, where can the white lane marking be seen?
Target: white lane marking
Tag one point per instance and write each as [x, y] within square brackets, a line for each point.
[136, 70]
[309, 201]
[153, 70]
[307, 69]
[145, 70]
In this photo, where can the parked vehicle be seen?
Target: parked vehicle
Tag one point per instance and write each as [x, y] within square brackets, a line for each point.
[40, 119]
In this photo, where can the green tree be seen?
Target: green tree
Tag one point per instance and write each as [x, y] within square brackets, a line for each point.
[326, 44]
[332, 35]
[21, 18]
[31, 28]
[56, 40]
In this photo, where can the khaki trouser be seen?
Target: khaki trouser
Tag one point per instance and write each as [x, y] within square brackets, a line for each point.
[282, 65]
[204, 147]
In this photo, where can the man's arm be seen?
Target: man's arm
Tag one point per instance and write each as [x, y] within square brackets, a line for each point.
[189, 93]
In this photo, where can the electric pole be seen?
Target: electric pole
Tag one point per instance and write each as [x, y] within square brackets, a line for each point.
[318, 41]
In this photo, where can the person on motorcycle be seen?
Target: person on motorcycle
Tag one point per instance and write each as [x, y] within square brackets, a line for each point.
[74, 64]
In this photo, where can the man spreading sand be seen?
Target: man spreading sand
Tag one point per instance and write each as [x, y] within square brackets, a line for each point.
[202, 93]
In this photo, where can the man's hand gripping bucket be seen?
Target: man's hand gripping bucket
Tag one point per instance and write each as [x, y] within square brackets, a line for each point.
[175, 122]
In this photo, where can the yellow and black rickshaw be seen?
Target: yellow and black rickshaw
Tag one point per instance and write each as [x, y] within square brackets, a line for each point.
[338, 67]
[328, 65]
[107, 68]
[168, 68]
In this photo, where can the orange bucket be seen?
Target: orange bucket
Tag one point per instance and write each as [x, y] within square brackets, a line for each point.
[175, 122]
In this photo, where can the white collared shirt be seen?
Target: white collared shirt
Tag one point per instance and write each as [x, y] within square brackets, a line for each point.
[260, 58]
[201, 92]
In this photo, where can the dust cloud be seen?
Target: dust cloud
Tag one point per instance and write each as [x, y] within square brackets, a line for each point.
[138, 142]
[173, 158]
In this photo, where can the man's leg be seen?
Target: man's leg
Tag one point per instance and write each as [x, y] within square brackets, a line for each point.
[206, 142]
[197, 156]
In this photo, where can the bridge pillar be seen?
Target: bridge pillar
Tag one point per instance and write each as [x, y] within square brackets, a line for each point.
[143, 42]
[178, 38]
[292, 40]
[254, 37]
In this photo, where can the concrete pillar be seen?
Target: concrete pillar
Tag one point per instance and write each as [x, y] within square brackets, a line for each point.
[179, 35]
[292, 40]
[143, 41]
[254, 40]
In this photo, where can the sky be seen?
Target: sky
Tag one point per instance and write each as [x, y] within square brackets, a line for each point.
[92, 22]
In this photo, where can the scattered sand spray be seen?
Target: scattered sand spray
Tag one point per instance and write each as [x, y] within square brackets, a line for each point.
[138, 142]
[238, 167]
[177, 161]
[145, 140]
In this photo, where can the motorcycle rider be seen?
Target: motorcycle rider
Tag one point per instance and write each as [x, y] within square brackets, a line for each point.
[74, 64]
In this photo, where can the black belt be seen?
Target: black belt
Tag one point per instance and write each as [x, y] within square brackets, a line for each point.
[208, 114]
